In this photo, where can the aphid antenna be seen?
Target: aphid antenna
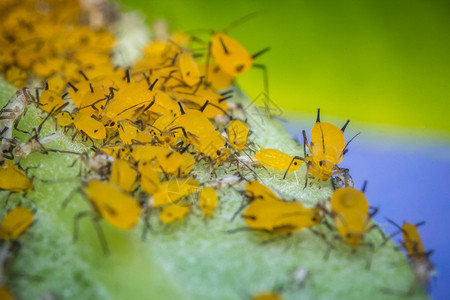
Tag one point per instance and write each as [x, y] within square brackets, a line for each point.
[181, 108]
[345, 126]
[72, 86]
[225, 98]
[84, 75]
[363, 189]
[70, 197]
[305, 143]
[263, 68]
[127, 75]
[348, 143]
[261, 52]
[242, 20]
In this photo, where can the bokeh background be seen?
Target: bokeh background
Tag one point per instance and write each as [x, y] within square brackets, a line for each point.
[385, 65]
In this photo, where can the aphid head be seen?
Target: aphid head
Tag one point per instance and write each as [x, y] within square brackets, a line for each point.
[354, 238]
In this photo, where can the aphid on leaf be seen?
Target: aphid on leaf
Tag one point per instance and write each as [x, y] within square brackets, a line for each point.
[237, 134]
[5, 293]
[327, 150]
[110, 203]
[123, 174]
[171, 191]
[127, 132]
[266, 211]
[89, 126]
[277, 160]
[173, 212]
[16, 76]
[208, 200]
[15, 222]
[188, 68]
[13, 179]
[419, 258]
[267, 296]
[352, 218]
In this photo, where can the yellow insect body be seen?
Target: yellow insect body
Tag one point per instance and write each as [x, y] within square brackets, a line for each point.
[277, 160]
[115, 206]
[50, 99]
[15, 223]
[268, 212]
[238, 134]
[267, 296]
[171, 191]
[208, 200]
[230, 55]
[412, 241]
[13, 179]
[188, 68]
[89, 126]
[123, 175]
[173, 213]
[350, 211]
[64, 119]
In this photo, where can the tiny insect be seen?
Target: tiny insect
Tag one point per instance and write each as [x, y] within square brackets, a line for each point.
[110, 203]
[419, 258]
[208, 200]
[89, 126]
[238, 134]
[353, 219]
[13, 179]
[327, 150]
[171, 191]
[277, 160]
[173, 212]
[267, 296]
[15, 222]
[123, 174]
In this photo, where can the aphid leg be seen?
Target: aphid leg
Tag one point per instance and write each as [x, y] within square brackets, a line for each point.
[76, 223]
[239, 229]
[7, 199]
[16, 124]
[290, 164]
[70, 197]
[147, 225]
[276, 238]
[305, 142]
[383, 235]
[372, 250]
[243, 205]
[263, 68]
[100, 234]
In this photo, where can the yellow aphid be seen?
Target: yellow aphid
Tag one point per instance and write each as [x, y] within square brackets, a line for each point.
[348, 198]
[127, 132]
[230, 55]
[149, 179]
[16, 76]
[268, 212]
[118, 151]
[171, 191]
[217, 78]
[208, 200]
[173, 213]
[64, 119]
[15, 223]
[277, 160]
[188, 68]
[56, 83]
[267, 296]
[350, 211]
[238, 134]
[49, 99]
[89, 126]
[5, 294]
[123, 174]
[13, 179]
[412, 241]
[115, 206]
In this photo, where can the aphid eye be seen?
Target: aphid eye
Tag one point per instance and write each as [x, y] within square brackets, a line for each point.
[239, 68]
[218, 152]
[95, 130]
[295, 163]
[349, 235]
[321, 163]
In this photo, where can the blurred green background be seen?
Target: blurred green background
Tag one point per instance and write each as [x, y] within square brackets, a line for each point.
[382, 62]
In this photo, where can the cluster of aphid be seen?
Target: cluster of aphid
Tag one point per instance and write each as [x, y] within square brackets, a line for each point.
[150, 124]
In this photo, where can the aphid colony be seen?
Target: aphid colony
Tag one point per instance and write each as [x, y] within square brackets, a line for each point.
[150, 125]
